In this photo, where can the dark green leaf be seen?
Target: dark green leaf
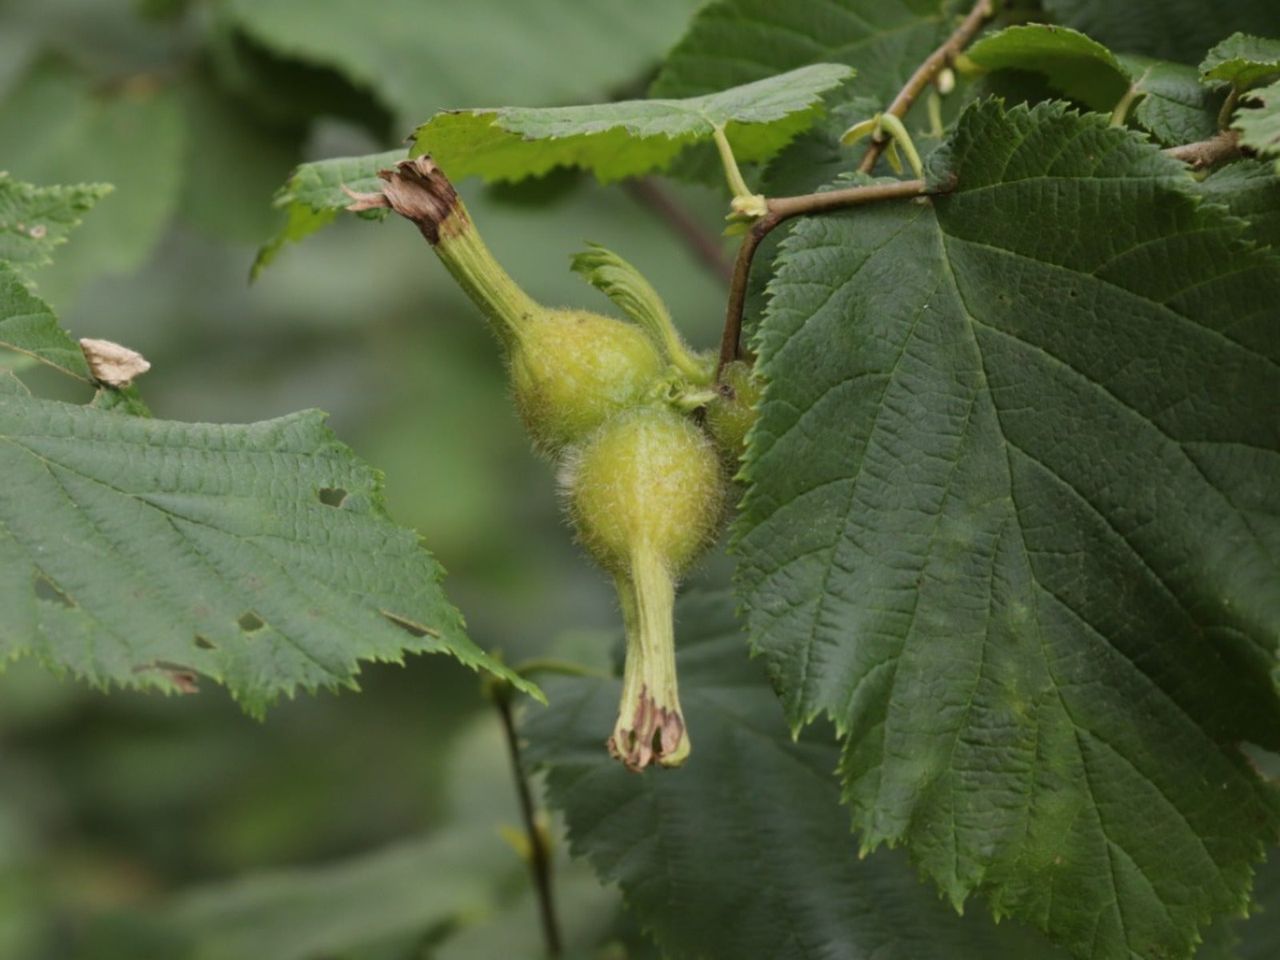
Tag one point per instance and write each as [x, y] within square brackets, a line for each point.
[421, 58]
[1259, 121]
[1073, 64]
[1180, 30]
[1011, 523]
[141, 552]
[745, 851]
[617, 140]
[1251, 190]
[34, 220]
[732, 42]
[313, 196]
[1242, 61]
[1171, 102]
[1175, 107]
[399, 893]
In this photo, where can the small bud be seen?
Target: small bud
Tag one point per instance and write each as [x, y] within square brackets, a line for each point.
[945, 81]
[734, 409]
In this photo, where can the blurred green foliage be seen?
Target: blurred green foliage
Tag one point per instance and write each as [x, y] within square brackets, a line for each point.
[126, 821]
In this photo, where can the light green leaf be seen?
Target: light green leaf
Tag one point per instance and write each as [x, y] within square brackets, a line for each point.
[1073, 64]
[1243, 61]
[419, 58]
[1179, 30]
[617, 140]
[734, 42]
[59, 126]
[1259, 125]
[745, 851]
[28, 326]
[312, 197]
[1011, 524]
[34, 220]
[141, 552]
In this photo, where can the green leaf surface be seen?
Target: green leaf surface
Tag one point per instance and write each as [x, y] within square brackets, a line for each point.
[313, 195]
[1179, 30]
[34, 220]
[1072, 63]
[1171, 102]
[420, 58]
[1251, 190]
[141, 552]
[1259, 121]
[745, 851]
[734, 42]
[393, 895]
[1175, 106]
[617, 140]
[28, 327]
[1243, 61]
[59, 126]
[1011, 524]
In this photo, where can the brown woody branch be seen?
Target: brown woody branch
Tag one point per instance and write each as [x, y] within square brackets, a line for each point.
[782, 209]
[927, 71]
[1208, 153]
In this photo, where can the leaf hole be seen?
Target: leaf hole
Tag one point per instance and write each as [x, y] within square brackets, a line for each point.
[250, 622]
[332, 496]
[50, 592]
[204, 643]
[409, 626]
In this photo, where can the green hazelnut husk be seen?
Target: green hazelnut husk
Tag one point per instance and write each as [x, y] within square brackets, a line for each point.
[571, 370]
[646, 494]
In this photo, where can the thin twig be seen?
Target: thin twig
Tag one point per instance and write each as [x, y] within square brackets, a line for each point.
[1207, 153]
[926, 72]
[782, 209]
[539, 855]
[705, 244]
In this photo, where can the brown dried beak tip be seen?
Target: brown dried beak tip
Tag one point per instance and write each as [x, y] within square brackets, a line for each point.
[416, 189]
[365, 201]
[657, 733]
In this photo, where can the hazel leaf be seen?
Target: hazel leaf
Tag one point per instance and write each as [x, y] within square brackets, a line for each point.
[617, 140]
[148, 553]
[1011, 524]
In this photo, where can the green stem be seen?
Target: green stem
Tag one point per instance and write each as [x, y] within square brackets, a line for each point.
[419, 191]
[1228, 108]
[539, 854]
[899, 133]
[745, 203]
[650, 724]
[737, 185]
[466, 256]
[1120, 115]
